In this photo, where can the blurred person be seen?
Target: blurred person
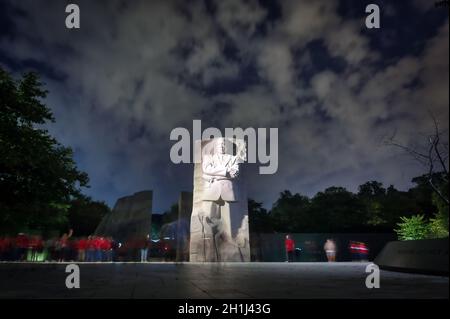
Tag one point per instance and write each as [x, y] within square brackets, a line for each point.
[21, 246]
[363, 251]
[98, 249]
[289, 245]
[109, 249]
[32, 248]
[64, 246]
[149, 246]
[81, 249]
[40, 248]
[9, 246]
[73, 250]
[105, 246]
[36, 247]
[359, 251]
[143, 246]
[330, 250]
[90, 249]
[114, 248]
[49, 247]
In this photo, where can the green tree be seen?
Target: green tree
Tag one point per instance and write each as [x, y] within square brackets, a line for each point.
[372, 195]
[422, 194]
[397, 204]
[84, 215]
[439, 223]
[337, 210]
[38, 176]
[290, 213]
[259, 219]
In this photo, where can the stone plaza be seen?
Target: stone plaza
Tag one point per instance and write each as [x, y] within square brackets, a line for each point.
[214, 280]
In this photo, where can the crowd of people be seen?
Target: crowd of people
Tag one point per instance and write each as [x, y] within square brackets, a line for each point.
[25, 247]
[34, 248]
[358, 251]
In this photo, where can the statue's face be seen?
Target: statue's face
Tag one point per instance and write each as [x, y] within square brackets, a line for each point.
[220, 146]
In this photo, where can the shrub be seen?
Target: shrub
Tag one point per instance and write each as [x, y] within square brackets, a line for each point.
[437, 228]
[412, 228]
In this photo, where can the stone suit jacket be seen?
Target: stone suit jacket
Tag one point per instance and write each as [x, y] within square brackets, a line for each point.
[217, 181]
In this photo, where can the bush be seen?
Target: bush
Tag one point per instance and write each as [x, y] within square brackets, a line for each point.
[413, 228]
[437, 228]
[417, 227]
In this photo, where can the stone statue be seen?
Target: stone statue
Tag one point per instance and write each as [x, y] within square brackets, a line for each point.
[219, 171]
[219, 222]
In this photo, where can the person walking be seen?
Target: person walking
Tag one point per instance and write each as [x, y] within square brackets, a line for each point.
[144, 249]
[64, 246]
[330, 250]
[81, 245]
[90, 249]
[289, 244]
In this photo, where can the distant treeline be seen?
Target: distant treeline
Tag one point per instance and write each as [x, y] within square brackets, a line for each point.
[373, 208]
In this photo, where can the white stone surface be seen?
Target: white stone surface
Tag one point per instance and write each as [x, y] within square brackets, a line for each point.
[219, 220]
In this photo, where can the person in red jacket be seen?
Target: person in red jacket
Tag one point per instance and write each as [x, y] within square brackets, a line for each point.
[107, 246]
[104, 246]
[21, 246]
[289, 244]
[81, 247]
[98, 249]
[90, 249]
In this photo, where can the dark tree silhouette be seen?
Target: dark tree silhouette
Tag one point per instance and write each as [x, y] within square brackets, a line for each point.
[38, 176]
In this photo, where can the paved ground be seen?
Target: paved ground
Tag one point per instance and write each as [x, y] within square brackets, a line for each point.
[228, 280]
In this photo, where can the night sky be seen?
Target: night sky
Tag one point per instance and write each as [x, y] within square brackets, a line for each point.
[137, 69]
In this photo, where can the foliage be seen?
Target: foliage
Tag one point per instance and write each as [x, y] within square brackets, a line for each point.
[373, 208]
[291, 212]
[413, 228]
[437, 229]
[442, 209]
[259, 219]
[38, 176]
[84, 215]
[439, 223]
[337, 210]
[372, 195]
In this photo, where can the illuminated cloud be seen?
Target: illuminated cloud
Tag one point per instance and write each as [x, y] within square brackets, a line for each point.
[136, 70]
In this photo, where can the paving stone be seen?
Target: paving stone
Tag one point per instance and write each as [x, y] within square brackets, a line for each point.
[214, 280]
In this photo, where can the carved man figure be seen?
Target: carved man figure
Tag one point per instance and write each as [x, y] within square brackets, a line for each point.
[219, 170]
[219, 222]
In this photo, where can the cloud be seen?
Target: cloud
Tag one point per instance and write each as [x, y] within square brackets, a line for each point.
[136, 70]
[277, 67]
[239, 19]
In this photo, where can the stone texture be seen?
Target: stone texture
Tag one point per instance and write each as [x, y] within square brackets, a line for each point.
[183, 225]
[422, 256]
[130, 218]
[219, 220]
